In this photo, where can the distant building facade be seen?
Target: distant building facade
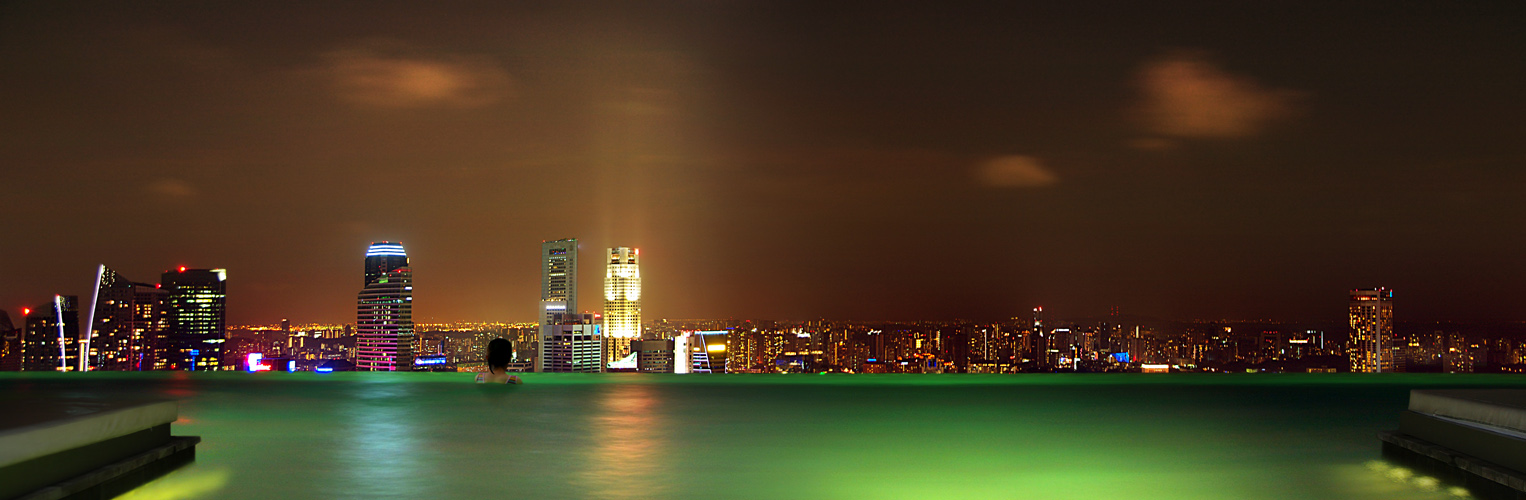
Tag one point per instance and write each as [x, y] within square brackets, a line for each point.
[1458, 357]
[1371, 314]
[622, 302]
[655, 356]
[384, 334]
[572, 345]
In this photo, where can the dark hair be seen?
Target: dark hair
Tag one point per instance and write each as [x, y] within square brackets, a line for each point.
[499, 353]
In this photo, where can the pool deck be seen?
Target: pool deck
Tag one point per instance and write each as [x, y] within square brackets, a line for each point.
[1479, 436]
[53, 449]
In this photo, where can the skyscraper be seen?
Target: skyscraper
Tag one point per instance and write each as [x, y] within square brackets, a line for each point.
[50, 341]
[558, 279]
[125, 326]
[1372, 319]
[622, 302]
[384, 311]
[196, 308]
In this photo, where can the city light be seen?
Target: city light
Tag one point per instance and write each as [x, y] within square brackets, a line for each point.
[254, 363]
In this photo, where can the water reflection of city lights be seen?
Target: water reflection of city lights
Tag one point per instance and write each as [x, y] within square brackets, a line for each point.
[625, 453]
[379, 453]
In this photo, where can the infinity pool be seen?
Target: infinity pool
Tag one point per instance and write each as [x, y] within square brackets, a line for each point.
[427, 435]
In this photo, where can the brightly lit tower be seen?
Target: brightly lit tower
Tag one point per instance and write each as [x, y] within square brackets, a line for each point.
[1372, 330]
[384, 312]
[622, 302]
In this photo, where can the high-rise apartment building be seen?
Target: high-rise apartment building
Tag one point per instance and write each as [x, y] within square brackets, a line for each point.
[50, 340]
[622, 302]
[1371, 313]
[384, 311]
[126, 324]
[558, 279]
[196, 313]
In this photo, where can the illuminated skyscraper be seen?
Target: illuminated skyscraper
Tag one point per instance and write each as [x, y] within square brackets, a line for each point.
[50, 341]
[1372, 319]
[125, 325]
[558, 279]
[197, 317]
[384, 311]
[622, 302]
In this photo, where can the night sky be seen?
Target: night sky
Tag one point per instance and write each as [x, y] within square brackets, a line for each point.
[790, 160]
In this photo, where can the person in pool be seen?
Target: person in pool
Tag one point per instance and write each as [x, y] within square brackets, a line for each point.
[499, 353]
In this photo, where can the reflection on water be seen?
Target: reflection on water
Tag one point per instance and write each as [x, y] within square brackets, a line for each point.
[186, 483]
[624, 455]
[379, 454]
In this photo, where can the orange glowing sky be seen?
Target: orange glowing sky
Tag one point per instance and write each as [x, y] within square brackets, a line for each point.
[775, 160]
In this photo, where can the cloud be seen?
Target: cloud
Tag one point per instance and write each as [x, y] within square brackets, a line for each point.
[388, 76]
[1015, 171]
[1185, 95]
[171, 188]
[1152, 144]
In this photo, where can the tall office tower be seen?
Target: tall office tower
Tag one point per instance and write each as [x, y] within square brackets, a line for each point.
[622, 302]
[196, 310]
[384, 320]
[571, 345]
[558, 279]
[50, 341]
[1372, 329]
[10, 344]
[126, 322]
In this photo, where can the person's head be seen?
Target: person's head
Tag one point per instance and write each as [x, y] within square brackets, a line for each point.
[499, 353]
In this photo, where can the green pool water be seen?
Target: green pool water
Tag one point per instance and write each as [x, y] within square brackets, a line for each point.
[426, 435]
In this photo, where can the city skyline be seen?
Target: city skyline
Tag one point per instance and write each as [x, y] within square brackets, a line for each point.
[1178, 159]
[558, 300]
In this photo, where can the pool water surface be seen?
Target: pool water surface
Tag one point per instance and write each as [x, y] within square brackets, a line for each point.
[437, 435]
